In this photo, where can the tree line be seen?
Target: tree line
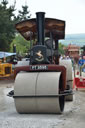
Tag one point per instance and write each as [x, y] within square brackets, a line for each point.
[8, 19]
[8, 33]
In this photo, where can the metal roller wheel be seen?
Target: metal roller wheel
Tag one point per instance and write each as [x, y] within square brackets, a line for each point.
[37, 92]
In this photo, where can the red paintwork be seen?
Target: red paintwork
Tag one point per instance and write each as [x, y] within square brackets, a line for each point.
[79, 82]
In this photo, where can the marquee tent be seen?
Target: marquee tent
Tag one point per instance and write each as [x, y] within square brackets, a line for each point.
[6, 54]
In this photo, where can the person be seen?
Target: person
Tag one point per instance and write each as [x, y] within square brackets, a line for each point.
[4, 59]
[81, 63]
[0, 61]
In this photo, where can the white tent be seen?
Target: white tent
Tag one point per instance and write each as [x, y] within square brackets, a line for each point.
[6, 54]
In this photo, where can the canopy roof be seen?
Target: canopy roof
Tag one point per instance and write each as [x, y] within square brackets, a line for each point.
[28, 28]
[6, 54]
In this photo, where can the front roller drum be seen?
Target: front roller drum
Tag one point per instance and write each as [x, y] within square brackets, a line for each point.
[38, 92]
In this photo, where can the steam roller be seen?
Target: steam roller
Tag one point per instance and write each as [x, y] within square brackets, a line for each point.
[40, 87]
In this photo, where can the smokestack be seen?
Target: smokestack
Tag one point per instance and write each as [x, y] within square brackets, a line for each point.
[40, 27]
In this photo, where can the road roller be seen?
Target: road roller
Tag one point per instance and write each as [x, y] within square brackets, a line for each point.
[41, 86]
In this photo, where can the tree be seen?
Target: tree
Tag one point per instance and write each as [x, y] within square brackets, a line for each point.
[22, 45]
[7, 31]
[61, 50]
[7, 23]
[24, 14]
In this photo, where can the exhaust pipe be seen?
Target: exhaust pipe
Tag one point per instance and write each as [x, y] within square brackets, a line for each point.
[40, 20]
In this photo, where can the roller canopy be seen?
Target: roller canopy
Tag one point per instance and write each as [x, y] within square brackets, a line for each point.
[28, 28]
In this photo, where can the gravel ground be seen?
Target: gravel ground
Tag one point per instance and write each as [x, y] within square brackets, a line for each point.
[73, 116]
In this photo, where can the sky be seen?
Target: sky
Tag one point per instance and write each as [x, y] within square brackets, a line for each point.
[71, 11]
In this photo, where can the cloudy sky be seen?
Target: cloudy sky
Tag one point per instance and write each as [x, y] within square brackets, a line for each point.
[72, 11]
